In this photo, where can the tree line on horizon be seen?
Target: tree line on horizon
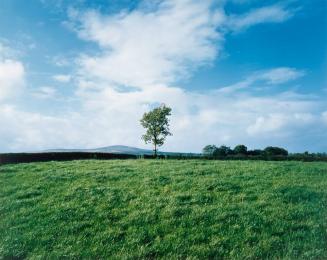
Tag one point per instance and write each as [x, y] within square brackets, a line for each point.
[213, 150]
[270, 152]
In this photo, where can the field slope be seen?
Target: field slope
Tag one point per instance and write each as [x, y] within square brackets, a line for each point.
[164, 209]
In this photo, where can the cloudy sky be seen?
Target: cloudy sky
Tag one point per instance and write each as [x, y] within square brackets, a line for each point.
[80, 74]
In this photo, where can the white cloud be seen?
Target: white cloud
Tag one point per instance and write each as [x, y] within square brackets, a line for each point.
[30, 131]
[64, 78]
[12, 74]
[267, 124]
[143, 48]
[281, 123]
[269, 14]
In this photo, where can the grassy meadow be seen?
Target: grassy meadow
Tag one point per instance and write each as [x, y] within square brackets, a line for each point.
[170, 209]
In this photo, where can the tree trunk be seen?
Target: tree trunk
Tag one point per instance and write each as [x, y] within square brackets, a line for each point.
[155, 150]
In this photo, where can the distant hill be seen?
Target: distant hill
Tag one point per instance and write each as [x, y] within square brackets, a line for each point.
[117, 149]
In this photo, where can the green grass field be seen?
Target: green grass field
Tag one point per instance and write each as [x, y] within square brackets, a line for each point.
[164, 209]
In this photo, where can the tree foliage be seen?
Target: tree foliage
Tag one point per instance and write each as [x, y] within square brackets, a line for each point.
[240, 149]
[273, 151]
[156, 123]
[209, 150]
[222, 151]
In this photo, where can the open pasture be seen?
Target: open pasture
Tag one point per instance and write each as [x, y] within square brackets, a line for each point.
[164, 209]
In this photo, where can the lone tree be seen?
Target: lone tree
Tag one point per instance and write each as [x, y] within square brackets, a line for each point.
[156, 123]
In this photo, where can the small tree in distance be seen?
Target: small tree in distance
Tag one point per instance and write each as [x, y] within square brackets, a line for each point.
[156, 123]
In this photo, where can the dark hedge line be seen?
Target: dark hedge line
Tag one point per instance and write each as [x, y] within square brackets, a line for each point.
[66, 156]
[44, 157]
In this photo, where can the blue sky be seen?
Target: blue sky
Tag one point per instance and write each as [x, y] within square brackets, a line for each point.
[75, 75]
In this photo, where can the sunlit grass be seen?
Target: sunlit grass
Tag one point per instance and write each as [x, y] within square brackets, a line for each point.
[164, 208]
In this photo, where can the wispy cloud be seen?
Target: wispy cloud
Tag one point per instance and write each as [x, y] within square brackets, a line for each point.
[271, 77]
[268, 14]
[280, 75]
